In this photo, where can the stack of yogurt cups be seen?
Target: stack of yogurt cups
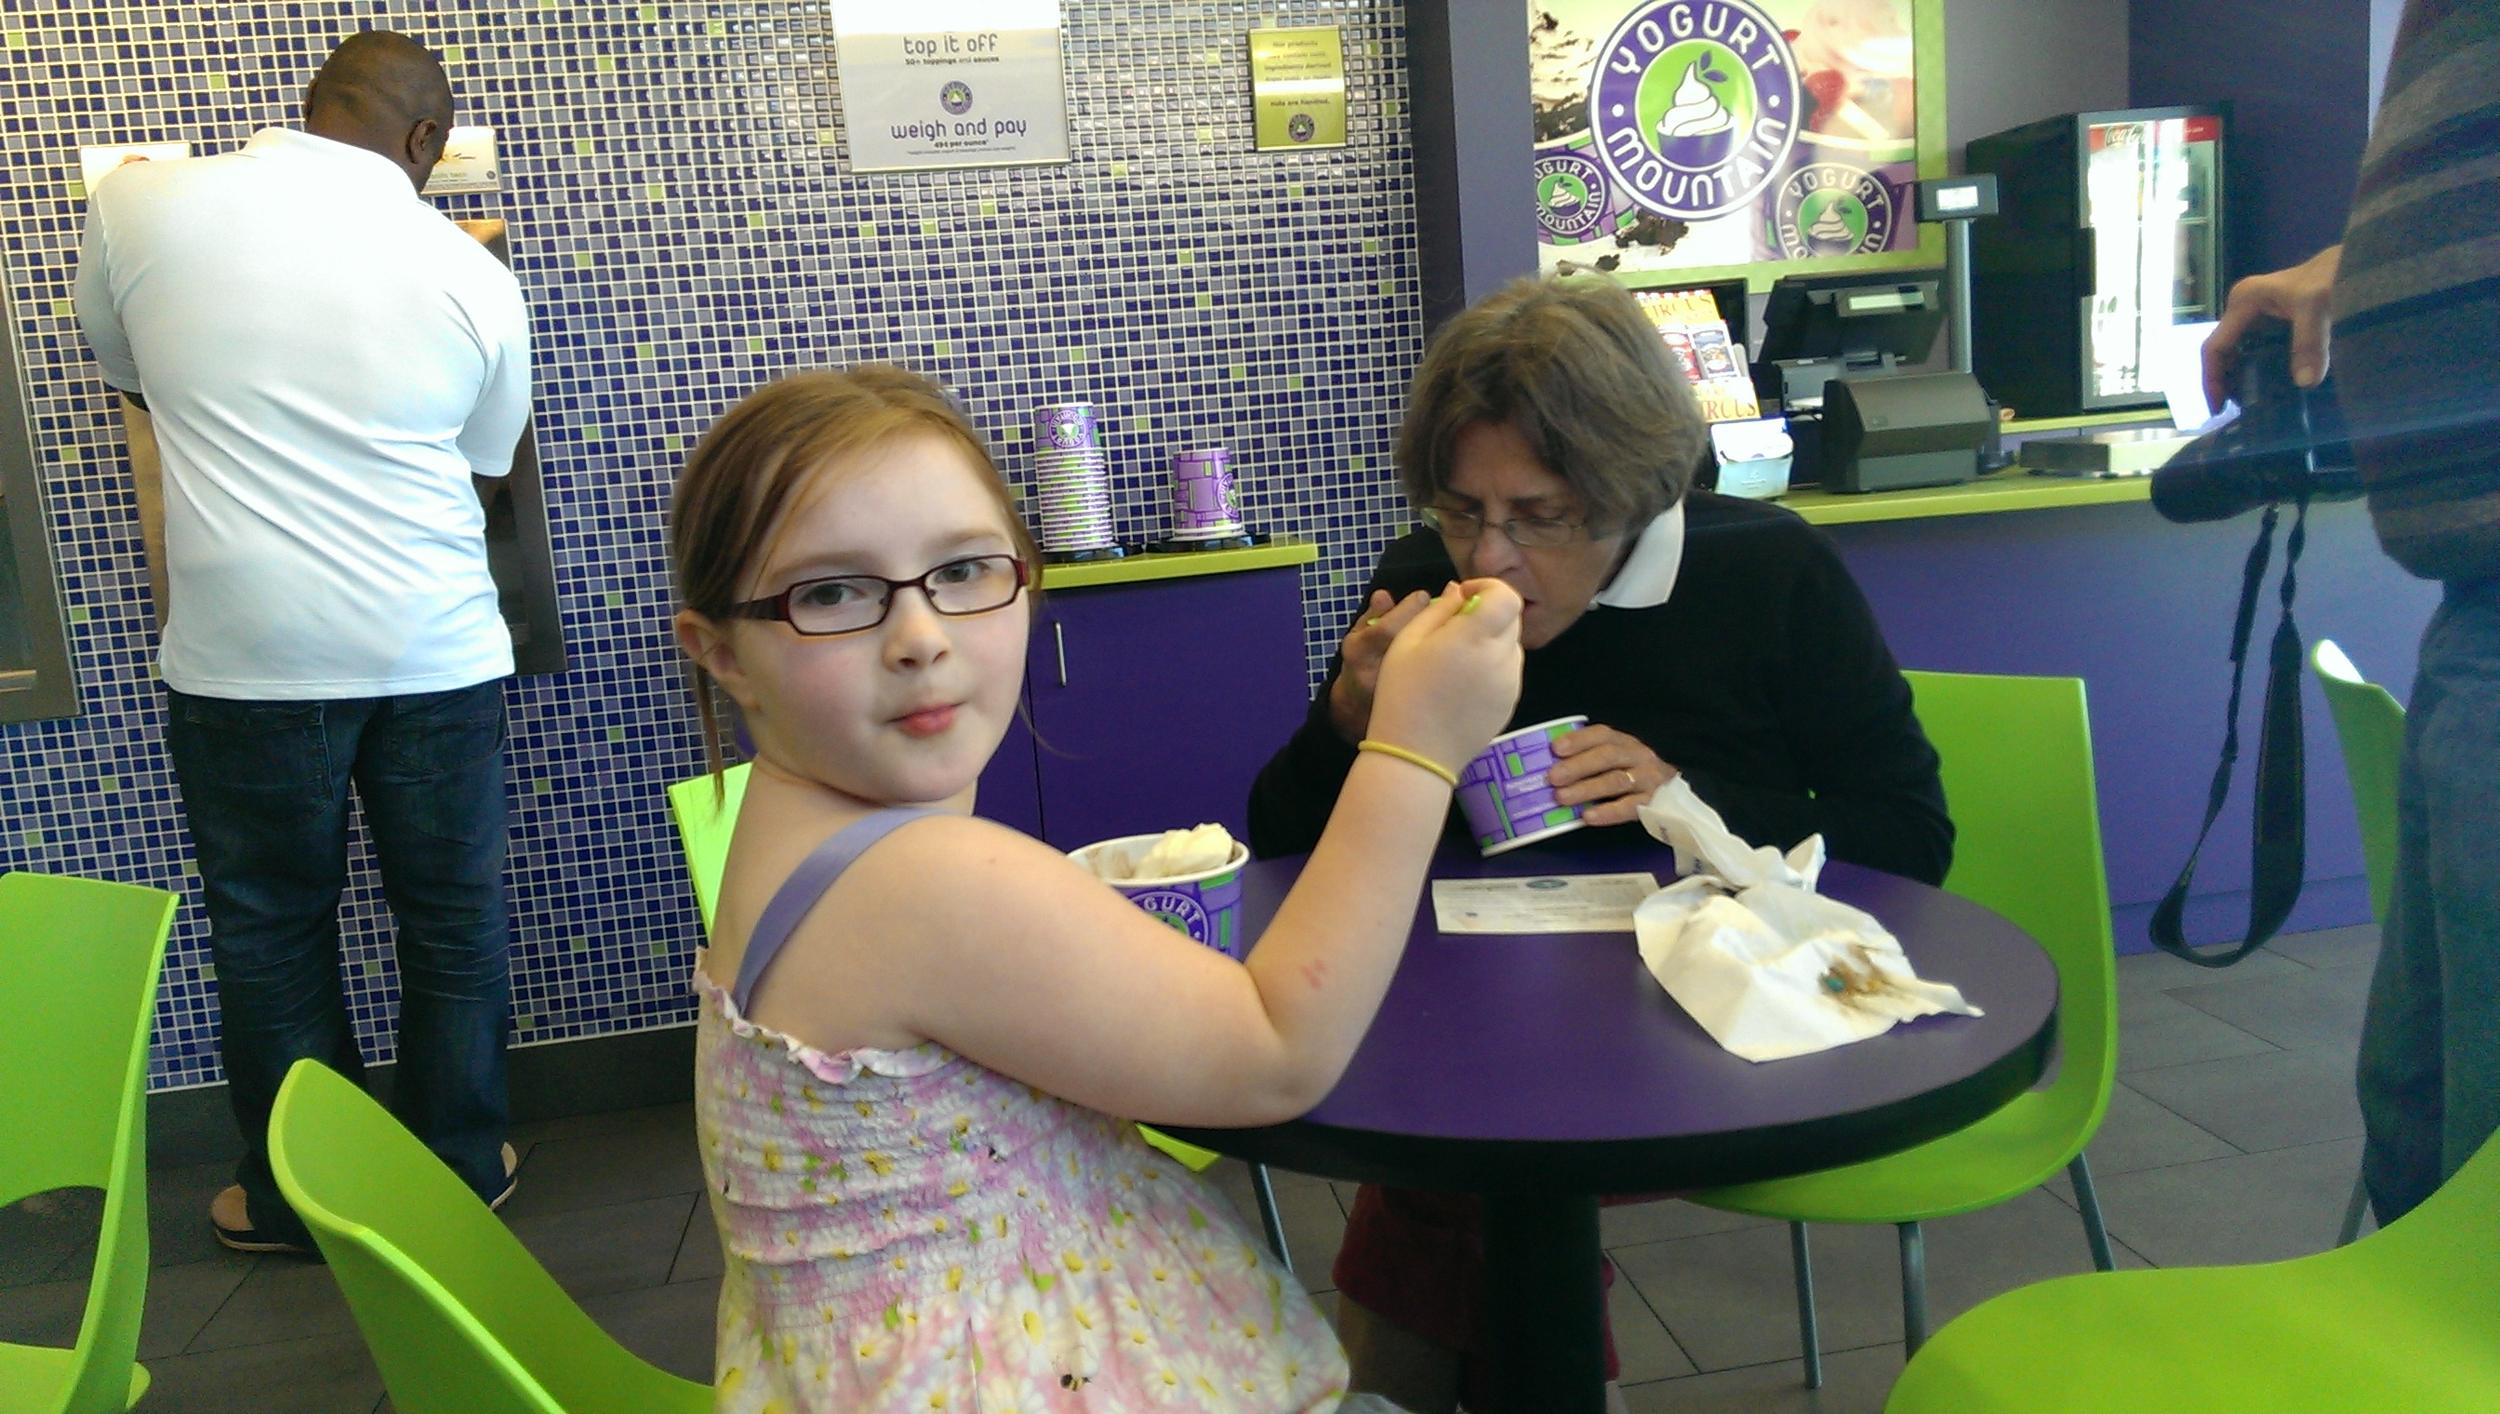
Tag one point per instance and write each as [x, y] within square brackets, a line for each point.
[1072, 483]
[1205, 513]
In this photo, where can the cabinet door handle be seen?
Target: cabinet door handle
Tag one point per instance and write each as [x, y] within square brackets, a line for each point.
[1059, 635]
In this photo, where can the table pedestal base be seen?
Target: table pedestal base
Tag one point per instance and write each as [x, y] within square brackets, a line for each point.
[1544, 1303]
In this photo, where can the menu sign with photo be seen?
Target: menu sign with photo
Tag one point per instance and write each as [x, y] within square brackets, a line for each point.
[1676, 134]
[951, 83]
[1697, 340]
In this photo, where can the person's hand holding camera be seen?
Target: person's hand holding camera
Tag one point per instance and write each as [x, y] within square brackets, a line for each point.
[2301, 296]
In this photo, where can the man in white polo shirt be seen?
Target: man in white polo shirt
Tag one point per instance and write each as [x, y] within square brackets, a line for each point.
[328, 362]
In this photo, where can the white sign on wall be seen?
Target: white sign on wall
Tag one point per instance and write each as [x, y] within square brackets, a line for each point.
[951, 83]
[96, 163]
[469, 163]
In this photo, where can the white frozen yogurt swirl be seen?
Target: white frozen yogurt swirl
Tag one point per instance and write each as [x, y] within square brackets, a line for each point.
[1174, 853]
[1829, 226]
[1697, 111]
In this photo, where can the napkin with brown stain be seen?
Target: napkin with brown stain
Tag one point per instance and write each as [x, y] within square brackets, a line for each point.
[1770, 968]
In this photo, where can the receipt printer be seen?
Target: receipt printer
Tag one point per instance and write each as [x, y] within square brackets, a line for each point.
[1889, 433]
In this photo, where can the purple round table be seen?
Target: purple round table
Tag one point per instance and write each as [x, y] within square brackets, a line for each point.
[1543, 1071]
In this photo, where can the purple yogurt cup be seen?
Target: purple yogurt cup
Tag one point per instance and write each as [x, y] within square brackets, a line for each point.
[1206, 905]
[1503, 790]
[1202, 496]
[1066, 427]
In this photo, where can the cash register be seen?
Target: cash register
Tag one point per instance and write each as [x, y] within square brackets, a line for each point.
[1833, 352]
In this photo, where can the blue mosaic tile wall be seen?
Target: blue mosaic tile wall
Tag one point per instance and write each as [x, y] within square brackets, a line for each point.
[685, 226]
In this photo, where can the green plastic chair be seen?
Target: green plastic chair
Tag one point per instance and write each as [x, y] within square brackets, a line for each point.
[2370, 725]
[2018, 774]
[460, 1318]
[705, 823]
[2407, 1318]
[78, 967]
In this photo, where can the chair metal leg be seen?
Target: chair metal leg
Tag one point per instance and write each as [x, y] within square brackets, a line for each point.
[2353, 1210]
[1269, 1218]
[1809, 1330]
[1913, 1289]
[2089, 1201]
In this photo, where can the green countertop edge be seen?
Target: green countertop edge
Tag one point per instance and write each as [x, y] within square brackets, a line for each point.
[2013, 490]
[2122, 417]
[1179, 564]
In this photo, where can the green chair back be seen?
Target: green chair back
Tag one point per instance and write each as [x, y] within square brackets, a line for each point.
[2405, 1318]
[460, 1318]
[2018, 777]
[79, 960]
[2370, 723]
[706, 818]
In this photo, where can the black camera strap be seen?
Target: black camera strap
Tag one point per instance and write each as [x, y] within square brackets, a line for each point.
[2277, 853]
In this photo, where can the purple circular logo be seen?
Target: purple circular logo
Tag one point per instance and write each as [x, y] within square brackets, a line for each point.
[1066, 427]
[1570, 194]
[1183, 912]
[956, 97]
[1828, 208]
[1694, 106]
[1300, 127]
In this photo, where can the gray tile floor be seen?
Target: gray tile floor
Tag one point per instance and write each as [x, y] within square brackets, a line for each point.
[2232, 1137]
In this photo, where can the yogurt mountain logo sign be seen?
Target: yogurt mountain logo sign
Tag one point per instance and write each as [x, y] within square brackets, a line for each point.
[1693, 104]
[1826, 208]
[1570, 195]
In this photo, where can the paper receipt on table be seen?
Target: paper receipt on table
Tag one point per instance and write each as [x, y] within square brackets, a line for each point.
[1552, 903]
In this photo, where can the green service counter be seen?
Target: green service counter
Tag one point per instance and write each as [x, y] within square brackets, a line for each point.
[1178, 564]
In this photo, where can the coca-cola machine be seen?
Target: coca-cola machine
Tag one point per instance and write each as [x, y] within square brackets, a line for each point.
[2111, 230]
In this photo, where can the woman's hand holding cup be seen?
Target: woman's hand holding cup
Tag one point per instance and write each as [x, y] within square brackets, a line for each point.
[1448, 678]
[1607, 773]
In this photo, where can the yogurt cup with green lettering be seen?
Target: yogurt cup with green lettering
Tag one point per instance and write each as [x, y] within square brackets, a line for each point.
[1504, 794]
[1205, 905]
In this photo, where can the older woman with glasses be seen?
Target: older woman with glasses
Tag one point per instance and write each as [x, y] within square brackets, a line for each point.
[1550, 442]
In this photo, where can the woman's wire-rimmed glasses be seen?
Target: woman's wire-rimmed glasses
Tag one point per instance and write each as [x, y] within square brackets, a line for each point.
[1529, 533]
[854, 603]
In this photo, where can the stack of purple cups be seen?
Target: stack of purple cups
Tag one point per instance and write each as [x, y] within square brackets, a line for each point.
[1072, 483]
[1203, 507]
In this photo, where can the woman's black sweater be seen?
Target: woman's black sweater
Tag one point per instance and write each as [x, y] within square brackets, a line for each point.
[1763, 679]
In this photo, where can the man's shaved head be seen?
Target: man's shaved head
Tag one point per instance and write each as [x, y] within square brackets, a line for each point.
[386, 93]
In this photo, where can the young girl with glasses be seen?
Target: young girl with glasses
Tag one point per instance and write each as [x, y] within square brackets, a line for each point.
[907, 1096]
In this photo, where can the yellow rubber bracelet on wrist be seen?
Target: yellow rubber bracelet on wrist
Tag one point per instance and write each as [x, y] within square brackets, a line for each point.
[1416, 758]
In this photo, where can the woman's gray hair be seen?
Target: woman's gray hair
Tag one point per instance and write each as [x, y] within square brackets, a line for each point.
[1579, 371]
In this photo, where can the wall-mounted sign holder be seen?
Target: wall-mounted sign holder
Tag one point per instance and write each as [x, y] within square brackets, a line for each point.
[469, 163]
[1297, 88]
[95, 163]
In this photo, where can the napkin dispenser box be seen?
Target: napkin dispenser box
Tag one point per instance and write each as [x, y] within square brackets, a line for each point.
[1891, 433]
[1751, 458]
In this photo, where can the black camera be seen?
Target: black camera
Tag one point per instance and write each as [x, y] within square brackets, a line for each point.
[2287, 444]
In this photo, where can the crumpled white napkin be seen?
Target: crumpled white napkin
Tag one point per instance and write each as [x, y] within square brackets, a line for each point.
[1768, 967]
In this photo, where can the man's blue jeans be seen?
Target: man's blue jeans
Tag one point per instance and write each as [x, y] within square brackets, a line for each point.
[2430, 1041]
[265, 789]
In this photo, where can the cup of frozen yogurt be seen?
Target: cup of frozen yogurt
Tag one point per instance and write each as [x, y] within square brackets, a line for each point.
[1503, 791]
[1191, 879]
